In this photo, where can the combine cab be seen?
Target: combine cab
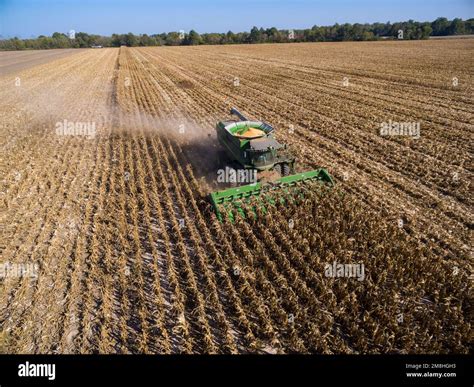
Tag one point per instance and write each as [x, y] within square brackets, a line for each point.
[253, 146]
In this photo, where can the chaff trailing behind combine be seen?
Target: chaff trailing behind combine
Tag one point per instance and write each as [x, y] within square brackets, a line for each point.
[253, 146]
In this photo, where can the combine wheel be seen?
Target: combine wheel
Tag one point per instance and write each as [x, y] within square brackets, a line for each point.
[277, 169]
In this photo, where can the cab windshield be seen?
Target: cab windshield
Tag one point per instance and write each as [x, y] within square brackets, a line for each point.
[260, 159]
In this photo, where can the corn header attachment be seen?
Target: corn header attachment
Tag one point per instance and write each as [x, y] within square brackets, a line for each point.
[244, 200]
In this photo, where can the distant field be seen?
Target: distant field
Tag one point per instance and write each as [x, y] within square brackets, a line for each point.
[15, 61]
[453, 37]
[130, 257]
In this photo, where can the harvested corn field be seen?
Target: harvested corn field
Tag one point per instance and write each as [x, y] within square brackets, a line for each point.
[108, 157]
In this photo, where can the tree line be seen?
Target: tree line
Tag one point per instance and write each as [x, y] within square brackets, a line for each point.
[338, 32]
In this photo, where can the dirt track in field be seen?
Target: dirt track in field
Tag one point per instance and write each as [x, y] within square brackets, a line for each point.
[130, 257]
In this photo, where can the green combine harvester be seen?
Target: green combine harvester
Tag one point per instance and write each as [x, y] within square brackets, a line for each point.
[252, 145]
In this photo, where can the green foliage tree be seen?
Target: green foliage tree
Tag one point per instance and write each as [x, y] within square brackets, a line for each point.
[358, 32]
[131, 40]
[456, 27]
[192, 39]
[145, 40]
[255, 35]
[440, 26]
[213, 38]
[230, 37]
[173, 39]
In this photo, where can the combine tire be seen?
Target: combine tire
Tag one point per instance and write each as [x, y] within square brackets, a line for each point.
[286, 170]
[278, 169]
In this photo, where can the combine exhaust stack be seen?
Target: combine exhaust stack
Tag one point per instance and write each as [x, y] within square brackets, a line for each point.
[238, 200]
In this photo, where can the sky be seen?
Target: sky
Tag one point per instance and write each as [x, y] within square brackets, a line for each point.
[30, 18]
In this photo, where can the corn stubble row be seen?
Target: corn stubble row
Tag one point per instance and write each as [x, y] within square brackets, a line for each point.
[181, 281]
[409, 301]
